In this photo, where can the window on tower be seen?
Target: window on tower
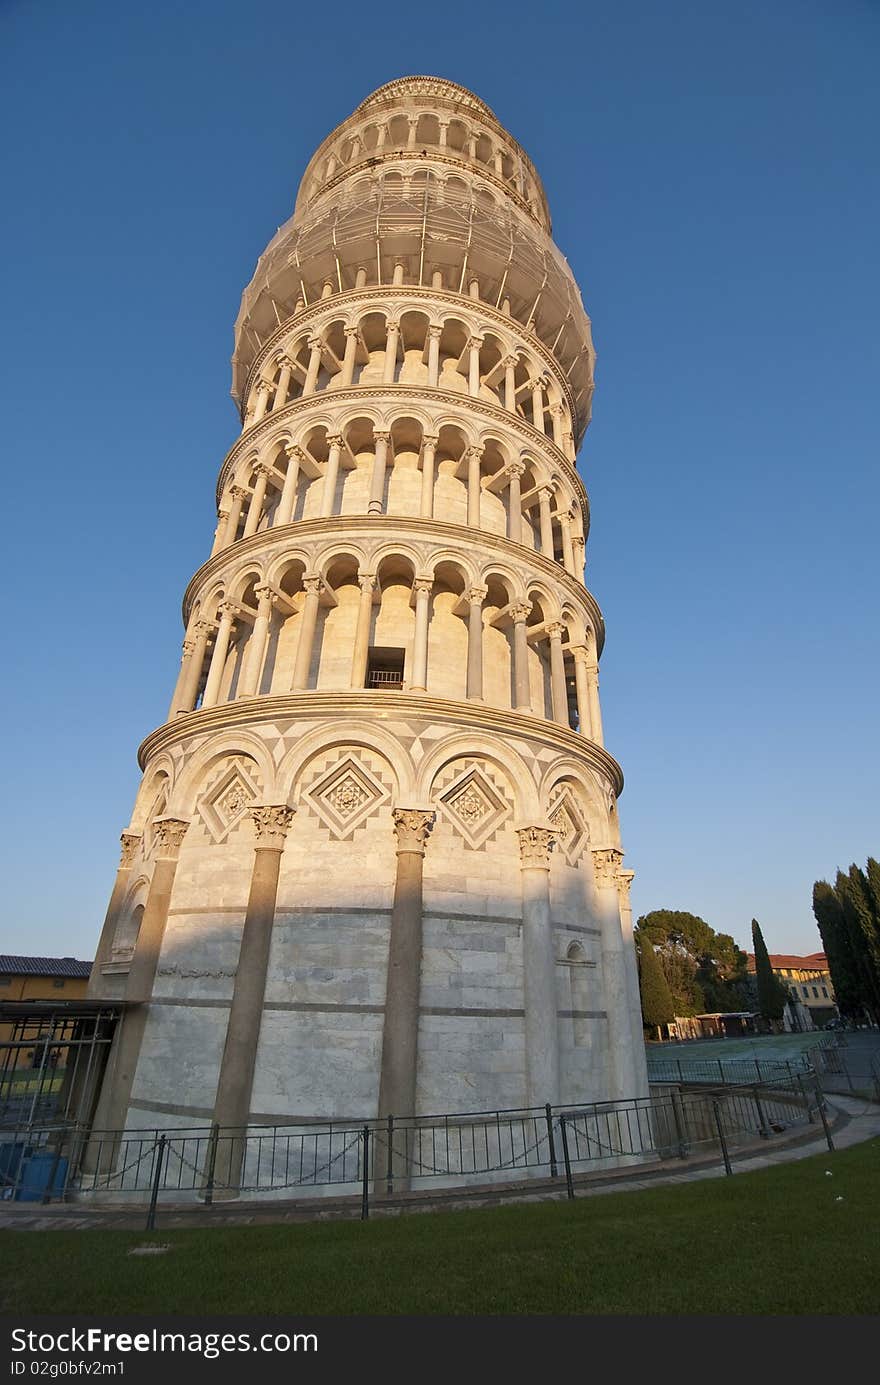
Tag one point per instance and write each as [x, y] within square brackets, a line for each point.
[385, 668]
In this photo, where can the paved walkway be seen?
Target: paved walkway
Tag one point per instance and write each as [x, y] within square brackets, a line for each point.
[855, 1120]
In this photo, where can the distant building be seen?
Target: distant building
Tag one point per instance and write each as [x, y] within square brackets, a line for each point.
[808, 980]
[36, 978]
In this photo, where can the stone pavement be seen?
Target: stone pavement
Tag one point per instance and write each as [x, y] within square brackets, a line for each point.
[854, 1120]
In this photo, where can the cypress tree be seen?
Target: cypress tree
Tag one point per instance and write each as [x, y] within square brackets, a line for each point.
[842, 964]
[853, 893]
[772, 995]
[657, 1006]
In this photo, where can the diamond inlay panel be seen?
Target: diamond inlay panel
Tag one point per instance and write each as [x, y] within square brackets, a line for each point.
[226, 803]
[572, 831]
[346, 796]
[474, 806]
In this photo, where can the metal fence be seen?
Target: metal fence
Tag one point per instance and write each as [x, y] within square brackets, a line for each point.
[727, 1070]
[381, 1158]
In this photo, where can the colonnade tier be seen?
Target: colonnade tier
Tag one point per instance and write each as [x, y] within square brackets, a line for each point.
[356, 466]
[405, 615]
[426, 230]
[439, 119]
[387, 339]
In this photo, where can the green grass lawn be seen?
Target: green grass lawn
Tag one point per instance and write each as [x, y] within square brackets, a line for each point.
[776, 1241]
[765, 1046]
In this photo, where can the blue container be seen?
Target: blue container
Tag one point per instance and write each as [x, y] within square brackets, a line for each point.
[11, 1156]
[36, 1175]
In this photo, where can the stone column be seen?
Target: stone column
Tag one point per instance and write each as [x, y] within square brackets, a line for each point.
[514, 517]
[559, 696]
[130, 844]
[444, 130]
[567, 548]
[434, 335]
[328, 494]
[287, 503]
[519, 614]
[474, 345]
[377, 481]
[313, 587]
[539, 967]
[237, 494]
[509, 364]
[249, 682]
[283, 386]
[235, 1082]
[123, 1060]
[220, 531]
[218, 657]
[391, 352]
[624, 1084]
[475, 597]
[592, 673]
[473, 455]
[194, 646]
[537, 388]
[640, 1060]
[422, 586]
[544, 495]
[263, 391]
[412, 122]
[429, 449]
[397, 1081]
[367, 584]
[348, 359]
[583, 692]
[556, 412]
[579, 544]
[314, 365]
[255, 509]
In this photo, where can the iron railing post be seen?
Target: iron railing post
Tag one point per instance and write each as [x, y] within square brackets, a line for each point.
[820, 1099]
[569, 1184]
[721, 1137]
[157, 1176]
[212, 1163]
[763, 1128]
[680, 1128]
[554, 1168]
[365, 1190]
[389, 1162]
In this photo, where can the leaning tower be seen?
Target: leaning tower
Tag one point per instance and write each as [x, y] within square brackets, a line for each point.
[374, 864]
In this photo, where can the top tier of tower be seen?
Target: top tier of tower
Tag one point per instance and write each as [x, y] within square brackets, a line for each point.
[422, 176]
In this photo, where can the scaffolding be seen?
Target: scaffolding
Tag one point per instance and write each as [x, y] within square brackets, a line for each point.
[52, 1061]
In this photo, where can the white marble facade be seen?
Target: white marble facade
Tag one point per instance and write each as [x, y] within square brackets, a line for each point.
[393, 619]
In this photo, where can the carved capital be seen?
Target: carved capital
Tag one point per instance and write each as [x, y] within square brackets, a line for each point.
[284, 362]
[435, 331]
[335, 440]
[130, 842]
[266, 596]
[430, 439]
[514, 469]
[271, 821]
[313, 586]
[580, 652]
[263, 469]
[367, 581]
[228, 610]
[263, 385]
[509, 362]
[520, 612]
[381, 436]
[238, 492]
[606, 865]
[352, 331]
[554, 629]
[170, 833]
[474, 343]
[423, 586]
[315, 343]
[477, 595]
[412, 827]
[624, 881]
[392, 324]
[474, 454]
[556, 411]
[535, 845]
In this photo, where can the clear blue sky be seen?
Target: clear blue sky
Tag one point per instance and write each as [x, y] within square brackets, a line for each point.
[712, 172]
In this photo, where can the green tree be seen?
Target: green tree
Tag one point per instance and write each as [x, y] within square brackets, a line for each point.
[704, 970]
[842, 961]
[863, 929]
[772, 994]
[657, 1006]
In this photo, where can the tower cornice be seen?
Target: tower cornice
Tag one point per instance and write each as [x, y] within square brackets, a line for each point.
[375, 394]
[340, 526]
[401, 297]
[341, 705]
